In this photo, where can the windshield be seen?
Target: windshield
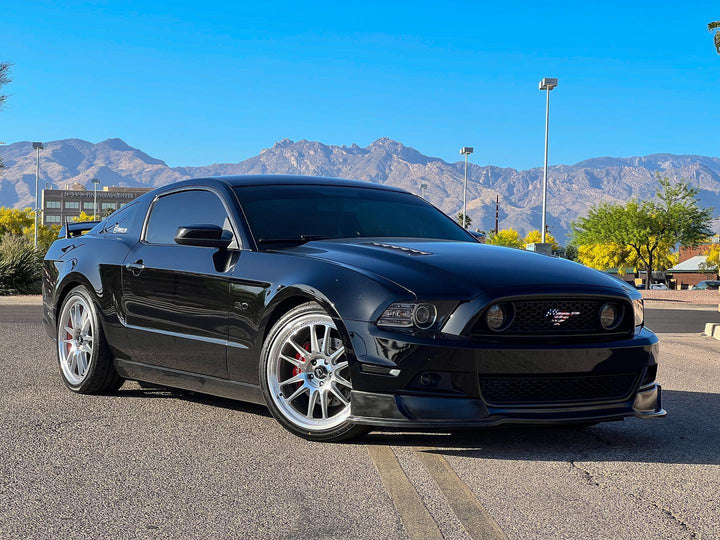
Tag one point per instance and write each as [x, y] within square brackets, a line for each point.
[296, 214]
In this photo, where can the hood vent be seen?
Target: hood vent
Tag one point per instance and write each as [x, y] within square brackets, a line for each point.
[406, 250]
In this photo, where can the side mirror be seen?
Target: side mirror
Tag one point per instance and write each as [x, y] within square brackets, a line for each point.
[203, 236]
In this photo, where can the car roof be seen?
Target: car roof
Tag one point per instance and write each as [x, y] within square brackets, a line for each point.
[295, 179]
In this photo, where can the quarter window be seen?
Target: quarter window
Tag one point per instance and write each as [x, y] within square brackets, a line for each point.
[119, 222]
[193, 207]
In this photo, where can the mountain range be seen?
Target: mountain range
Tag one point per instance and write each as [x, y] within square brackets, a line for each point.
[572, 189]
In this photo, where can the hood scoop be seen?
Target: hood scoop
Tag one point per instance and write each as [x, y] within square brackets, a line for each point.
[406, 250]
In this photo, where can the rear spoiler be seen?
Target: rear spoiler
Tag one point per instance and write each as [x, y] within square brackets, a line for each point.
[70, 230]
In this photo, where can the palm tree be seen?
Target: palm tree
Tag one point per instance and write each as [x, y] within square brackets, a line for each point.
[712, 26]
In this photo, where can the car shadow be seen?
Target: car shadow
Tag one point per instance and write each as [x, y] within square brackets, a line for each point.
[194, 397]
[690, 434]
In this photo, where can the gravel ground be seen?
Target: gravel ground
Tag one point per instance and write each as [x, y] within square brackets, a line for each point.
[687, 296]
[167, 464]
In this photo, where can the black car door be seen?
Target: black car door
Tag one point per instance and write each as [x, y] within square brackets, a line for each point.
[176, 297]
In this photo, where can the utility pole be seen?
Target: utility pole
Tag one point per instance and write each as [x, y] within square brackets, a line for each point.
[497, 213]
[37, 146]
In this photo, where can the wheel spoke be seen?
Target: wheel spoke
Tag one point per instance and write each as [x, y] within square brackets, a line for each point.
[326, 340]
[85, 321]
[293, 361]
[343, 381]
[337, 354]
[296, 379]
[69, 330]
[314, 345]
[324, 404]
[82, 362]
[72, 360]
[311, 403]
[296, 393]
[340, 366]
[302, 352]
[339, 395]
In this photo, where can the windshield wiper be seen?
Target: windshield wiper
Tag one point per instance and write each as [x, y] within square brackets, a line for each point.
[298, 240]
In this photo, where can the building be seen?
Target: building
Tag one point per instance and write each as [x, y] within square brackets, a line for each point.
[691, 272]
[62, 205]
[690, 269]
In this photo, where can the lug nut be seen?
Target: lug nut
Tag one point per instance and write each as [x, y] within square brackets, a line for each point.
[314, 362]
[310, 376]
[321, 384]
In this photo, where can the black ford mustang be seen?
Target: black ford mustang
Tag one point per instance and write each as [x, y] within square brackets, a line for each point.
[341, 305]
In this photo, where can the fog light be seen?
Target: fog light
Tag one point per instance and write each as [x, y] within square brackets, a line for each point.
[496, 317]
[609, 316]
[424, 315]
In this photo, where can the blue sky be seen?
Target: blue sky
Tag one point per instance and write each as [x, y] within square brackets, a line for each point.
[194, 83]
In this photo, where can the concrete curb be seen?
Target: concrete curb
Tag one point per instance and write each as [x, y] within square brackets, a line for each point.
[712, 330]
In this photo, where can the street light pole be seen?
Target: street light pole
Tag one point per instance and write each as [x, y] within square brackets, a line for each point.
[547, 84]
[37, 146]
[465, 151]
[95, 182]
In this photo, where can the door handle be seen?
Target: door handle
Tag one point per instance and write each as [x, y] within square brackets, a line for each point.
[136, 267]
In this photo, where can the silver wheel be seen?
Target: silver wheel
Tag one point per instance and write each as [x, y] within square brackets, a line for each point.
[308, 375]
[76, 334]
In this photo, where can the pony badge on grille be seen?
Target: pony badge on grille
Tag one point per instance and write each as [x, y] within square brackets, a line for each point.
[557, 316]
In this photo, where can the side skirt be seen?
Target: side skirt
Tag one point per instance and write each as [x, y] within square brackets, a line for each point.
[137, 371]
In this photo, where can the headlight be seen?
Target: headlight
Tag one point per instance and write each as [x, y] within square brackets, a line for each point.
[424, 315]
[639, 310]
[408, 315]
[399, 315]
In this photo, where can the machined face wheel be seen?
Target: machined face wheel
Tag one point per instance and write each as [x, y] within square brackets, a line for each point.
[308, 375]
[76, 334]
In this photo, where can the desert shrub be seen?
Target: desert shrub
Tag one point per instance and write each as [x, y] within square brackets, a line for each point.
[20, 266]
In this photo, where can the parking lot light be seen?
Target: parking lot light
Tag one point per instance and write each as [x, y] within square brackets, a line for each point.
[465, 151]
[547, 84]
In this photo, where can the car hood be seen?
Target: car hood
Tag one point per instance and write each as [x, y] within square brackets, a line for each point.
[462, 270]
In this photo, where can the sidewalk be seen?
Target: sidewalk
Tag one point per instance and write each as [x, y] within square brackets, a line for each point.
[21, 300]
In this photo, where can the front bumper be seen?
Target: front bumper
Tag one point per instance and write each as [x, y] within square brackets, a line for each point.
[386, 391]
[407, 411]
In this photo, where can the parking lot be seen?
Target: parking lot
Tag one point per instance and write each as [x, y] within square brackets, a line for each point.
[158, 463]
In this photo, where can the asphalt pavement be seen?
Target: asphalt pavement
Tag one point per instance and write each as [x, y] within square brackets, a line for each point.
[159, 463]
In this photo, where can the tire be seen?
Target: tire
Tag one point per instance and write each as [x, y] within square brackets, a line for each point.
[84, 358]
[305, 381]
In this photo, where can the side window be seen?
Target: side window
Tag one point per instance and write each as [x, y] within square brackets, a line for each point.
[194, 207]
[119, 222]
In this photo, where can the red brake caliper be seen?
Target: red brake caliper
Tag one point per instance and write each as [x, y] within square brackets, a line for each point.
[69, 336]
[296, 370]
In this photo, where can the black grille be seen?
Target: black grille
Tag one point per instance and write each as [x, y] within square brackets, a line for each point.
[517, 390]
[555, 317]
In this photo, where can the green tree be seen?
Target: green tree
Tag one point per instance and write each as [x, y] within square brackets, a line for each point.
[648, 228]
[714, 26]
[506, 238]
[84, 217]
[14, 221]
[459, 219]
